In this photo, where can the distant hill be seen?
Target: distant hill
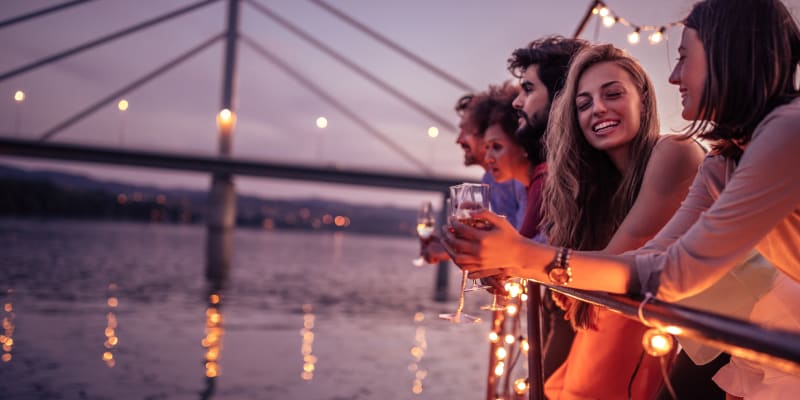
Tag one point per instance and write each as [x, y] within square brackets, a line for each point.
[51, 194]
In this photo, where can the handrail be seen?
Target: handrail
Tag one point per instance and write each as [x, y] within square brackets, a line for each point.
[743, 339]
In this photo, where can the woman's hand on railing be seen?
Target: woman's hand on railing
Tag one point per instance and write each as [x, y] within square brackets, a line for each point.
[482, 249]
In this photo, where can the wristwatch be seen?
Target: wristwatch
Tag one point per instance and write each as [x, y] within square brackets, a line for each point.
[559, 270]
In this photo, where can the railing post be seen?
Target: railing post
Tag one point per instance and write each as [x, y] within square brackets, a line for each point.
[440, 293]
[535, 369]
[222, 196]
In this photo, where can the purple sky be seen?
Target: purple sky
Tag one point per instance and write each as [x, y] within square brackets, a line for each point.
[276, 116]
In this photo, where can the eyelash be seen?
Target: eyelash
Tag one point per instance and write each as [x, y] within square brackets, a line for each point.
[611, 95]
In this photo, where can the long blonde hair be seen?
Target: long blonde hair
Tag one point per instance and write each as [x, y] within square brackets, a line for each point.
[585, 197]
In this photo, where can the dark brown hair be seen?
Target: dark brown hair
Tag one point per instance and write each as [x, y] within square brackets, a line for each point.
[552, 55]
[752, 48]
[494, 107]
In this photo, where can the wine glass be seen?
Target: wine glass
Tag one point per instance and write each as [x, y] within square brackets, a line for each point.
[465, 198]
[474, 197]
[426, 220]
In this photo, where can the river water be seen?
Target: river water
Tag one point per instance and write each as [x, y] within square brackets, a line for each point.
[122, 311]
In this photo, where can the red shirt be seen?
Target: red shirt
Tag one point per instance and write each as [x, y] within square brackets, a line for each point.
[533, 208]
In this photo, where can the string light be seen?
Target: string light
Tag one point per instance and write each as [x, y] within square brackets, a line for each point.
[510, 339]
[633, 37]
[521, 386]
[501, 353]
[499, 369]
[610, 18]
[657, 343]
[511, 309]
[657, 36]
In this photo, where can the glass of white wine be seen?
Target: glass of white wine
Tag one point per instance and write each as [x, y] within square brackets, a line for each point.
[426, 221]
[465, 198]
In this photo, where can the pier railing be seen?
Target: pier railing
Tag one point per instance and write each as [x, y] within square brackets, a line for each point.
[775, 347]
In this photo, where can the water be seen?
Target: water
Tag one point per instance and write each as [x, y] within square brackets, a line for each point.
[357, 296]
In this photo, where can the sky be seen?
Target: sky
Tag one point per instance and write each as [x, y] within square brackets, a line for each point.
[470, 39]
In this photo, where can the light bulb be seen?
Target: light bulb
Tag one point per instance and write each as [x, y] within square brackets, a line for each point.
[520, 386]
[656, 37]
[657, 343]
[609, 21]
[633, 37]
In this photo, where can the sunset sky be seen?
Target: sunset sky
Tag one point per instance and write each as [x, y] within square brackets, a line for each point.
[470, 39]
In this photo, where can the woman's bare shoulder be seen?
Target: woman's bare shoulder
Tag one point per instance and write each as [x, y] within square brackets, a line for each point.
[674, 160]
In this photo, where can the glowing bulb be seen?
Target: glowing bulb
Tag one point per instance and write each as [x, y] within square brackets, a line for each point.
[225, 120]
[656, 37]
[419, 317]
[322, 122]
[657, 343]
[113, 302]
[510, 339]
[525, 345]
[433, 132]
[514, 289]
[214, 298]
[501, 353]
[520, 386]
[493, 337]
[523, 297]
[633, 37]
[19, 96]
[511, 309]
[595, 11]
[500, 368]
[609, 21]
[603, 12]
[107, 356]
[122, 105]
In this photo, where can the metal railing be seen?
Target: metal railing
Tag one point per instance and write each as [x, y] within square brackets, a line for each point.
[743, 339]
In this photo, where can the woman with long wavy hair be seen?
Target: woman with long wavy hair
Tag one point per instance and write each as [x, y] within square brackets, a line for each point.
[609, 190]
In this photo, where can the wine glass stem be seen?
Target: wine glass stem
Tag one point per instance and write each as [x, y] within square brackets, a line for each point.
[463, 287]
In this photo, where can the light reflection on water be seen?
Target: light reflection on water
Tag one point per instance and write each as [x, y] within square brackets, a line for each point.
[7, 338]
[306, 348]
[112, 340]
[67, 275]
